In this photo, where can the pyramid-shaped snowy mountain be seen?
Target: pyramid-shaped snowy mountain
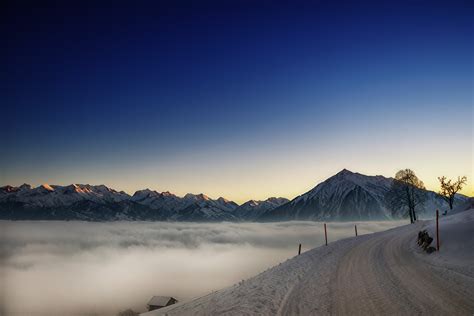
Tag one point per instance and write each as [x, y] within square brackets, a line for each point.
[346, 196]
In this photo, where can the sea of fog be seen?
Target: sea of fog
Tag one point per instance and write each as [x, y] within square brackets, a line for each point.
[82, 268]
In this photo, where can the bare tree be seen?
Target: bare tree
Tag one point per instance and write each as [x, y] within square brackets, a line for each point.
[405, 194]
[449, 188]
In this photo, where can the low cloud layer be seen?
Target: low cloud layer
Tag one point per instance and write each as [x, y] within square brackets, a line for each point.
[77, 268]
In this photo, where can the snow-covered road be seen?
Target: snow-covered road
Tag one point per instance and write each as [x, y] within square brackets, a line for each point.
[384, 273]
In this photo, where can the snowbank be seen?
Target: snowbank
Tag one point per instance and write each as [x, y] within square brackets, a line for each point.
[269, 292]
[456, 235]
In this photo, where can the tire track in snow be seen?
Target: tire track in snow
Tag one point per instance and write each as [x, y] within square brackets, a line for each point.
[382, 275]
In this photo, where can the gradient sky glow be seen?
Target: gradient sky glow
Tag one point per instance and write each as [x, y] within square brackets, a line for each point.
[234, 98]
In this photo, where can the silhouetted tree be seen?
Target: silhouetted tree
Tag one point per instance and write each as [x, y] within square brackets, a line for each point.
[405, 194]
[450, 188]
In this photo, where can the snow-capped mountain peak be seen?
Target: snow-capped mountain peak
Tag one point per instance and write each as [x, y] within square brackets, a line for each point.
[8, 189]
[346, 196]
[167, 193]
[25, 186]
[47, 187]
[223, 200]
[146, 193]
[253, 202]
[197, 197]
[345, 172]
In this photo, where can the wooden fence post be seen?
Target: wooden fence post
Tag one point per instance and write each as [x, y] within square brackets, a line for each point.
[299, 250]
[437, 230]
[355, 227]
[325, 234]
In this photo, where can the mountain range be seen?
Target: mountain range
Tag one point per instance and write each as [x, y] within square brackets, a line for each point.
[100, 203]
[344, 196]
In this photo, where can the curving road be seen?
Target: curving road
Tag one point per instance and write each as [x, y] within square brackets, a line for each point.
[383, 276]
[380, 274]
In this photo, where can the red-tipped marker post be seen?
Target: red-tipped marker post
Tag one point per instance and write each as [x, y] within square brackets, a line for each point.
[437, 230]
[325, 234]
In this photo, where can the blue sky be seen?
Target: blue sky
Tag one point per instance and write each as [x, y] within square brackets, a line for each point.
[235, 98]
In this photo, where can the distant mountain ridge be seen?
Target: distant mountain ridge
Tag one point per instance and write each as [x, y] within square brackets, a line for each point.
[344, 196]
[100, 203]
[253, 209]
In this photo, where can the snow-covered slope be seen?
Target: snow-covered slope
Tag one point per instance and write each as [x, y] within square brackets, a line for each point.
[205, 210]
[463, 206]
[226, 204]
[348, 196]
[253, 209]
[456, 241]
[384, 273]
[165, 203]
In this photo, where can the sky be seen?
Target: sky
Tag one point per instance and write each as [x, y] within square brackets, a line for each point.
[240, 99]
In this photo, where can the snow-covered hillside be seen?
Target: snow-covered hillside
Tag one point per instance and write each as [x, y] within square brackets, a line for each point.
[456, 242]
[200, 207]
[157, 200]
[349, 196]
[463, 206]
[384, 273]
